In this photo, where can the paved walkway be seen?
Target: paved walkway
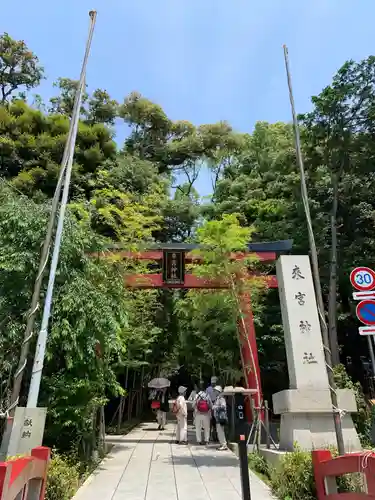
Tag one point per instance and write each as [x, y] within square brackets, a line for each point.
[147, 465]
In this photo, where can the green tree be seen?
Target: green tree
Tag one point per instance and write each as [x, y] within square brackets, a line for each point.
[97, 108]
[101, 108]
[125, 218]
[261, 184]
[130, 173]
[180, 215]
[32, 145]
[89, 309]
[172, 145]
[218, 240]
[207, 340]
[63, 104]
[150, 127]
[98, 328]
[339, 146]
[19, 67]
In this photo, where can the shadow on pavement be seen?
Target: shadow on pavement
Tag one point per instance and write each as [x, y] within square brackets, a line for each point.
[205, 460]
[148, 441]
[117, 448]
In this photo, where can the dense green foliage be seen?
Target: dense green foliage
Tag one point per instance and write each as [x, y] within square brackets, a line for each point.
[293, 478]
[262, 184]
[132, 196]
[63, 478]
[89, 308]
[207, 318]
[362, 419]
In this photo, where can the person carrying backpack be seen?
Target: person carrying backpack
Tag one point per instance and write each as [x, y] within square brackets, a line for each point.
[202, 407]
[221, 417]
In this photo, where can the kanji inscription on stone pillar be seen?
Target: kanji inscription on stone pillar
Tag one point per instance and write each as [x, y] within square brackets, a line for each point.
[303, 341]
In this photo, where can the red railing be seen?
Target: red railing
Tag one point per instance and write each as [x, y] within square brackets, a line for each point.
[327, 469]
[25, 478]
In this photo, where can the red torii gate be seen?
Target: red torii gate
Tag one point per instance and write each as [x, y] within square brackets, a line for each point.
[173, 257]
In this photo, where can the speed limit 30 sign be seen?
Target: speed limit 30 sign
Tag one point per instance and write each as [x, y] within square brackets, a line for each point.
[363, 278]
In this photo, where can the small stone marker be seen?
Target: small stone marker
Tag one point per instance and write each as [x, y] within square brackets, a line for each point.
[27, 430]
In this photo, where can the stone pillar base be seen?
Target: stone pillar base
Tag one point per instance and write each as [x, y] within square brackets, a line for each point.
[306, 419]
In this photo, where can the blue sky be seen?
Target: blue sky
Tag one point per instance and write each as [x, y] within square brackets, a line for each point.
[201, 60]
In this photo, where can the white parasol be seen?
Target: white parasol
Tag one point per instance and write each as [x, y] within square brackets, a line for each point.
[159, 383]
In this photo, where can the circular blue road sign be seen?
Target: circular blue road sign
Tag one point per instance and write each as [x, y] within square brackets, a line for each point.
[366, 312]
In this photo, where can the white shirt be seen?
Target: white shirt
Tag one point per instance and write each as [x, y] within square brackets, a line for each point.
[182, 407]
[220, 403]
[192, 396]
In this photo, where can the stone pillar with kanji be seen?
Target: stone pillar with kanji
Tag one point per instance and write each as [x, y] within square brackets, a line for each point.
[305, 408]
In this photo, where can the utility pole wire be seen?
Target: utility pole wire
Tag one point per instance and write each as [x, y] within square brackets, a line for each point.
[42, 337]
[315, 268]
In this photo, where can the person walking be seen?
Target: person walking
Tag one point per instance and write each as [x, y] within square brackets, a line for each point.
[180, 410]
[191, 399]
[163, 409]
[213, 395]
[202, 407]
[221, 417]
[210, 389]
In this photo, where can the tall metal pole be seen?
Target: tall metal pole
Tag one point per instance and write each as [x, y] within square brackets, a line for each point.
[25, 347]
[42, 337]
[18, 376]
[315, 268]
